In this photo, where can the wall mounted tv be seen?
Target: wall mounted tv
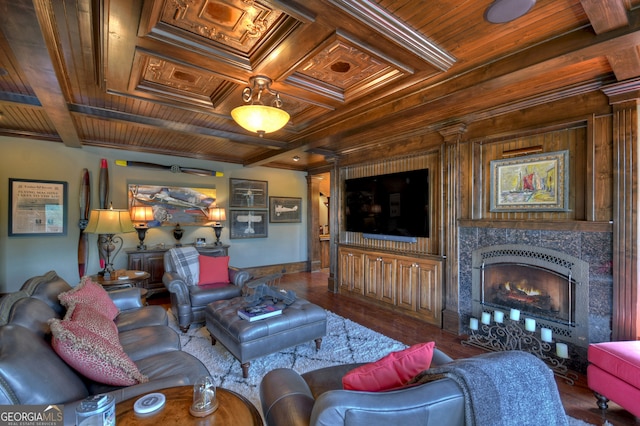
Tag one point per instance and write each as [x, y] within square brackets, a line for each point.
[392, 206]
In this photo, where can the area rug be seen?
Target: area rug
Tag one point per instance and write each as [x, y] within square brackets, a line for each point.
[346, 342]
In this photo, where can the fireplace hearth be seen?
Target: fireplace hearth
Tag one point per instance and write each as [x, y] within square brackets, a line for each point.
[548, 286]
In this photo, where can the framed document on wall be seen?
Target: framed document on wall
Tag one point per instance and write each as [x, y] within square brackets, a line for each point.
[37, 207]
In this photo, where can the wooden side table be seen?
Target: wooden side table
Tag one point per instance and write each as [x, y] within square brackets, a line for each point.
[233, 410]
[122, 279]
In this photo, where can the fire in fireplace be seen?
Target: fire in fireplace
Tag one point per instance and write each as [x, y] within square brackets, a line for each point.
[548, 285]
[532, 290]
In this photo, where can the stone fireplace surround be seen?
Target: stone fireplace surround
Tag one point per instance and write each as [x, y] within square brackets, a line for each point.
[594, 248]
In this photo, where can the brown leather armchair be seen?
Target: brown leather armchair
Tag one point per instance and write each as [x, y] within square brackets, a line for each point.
[188, 301]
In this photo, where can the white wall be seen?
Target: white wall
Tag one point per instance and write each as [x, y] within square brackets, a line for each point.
[25, 256]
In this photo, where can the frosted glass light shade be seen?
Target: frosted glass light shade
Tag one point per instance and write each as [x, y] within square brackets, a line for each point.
[260, 119]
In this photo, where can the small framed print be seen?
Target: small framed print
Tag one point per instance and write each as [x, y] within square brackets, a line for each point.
[285, 209]
[247, 224]
[37, 207]
[249, 194]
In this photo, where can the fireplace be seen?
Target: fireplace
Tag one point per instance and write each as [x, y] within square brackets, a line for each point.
[546, 285]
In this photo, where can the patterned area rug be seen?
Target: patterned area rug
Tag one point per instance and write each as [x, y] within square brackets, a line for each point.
[346, 342]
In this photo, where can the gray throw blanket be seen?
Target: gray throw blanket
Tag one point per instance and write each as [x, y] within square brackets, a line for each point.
[503, 389]
[185, 260]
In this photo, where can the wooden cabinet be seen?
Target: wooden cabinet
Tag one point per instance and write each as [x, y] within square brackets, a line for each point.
[351, 265]
[420, 288]
[380, 277]
[152, 261]
[411, 285]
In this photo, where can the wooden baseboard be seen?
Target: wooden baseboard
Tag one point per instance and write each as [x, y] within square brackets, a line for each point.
[284, 268]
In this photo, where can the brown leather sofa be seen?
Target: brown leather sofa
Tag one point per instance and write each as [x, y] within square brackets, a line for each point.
[318, 398]
[32, 373]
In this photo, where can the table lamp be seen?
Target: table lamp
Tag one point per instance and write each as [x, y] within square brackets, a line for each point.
[140, 215]
[107, 223]
[217, 215]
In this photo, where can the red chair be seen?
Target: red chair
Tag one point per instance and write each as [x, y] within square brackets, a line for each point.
[614, 374]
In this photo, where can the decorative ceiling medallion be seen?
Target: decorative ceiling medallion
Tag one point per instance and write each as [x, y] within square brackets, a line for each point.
[238, 24]
[342, 65]
[342, 68]
[179, 77]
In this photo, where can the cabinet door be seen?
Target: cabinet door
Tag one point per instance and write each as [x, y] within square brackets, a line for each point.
[408, 281]
[350, 273]
[379, 279]
[430, 292]
[155, 267]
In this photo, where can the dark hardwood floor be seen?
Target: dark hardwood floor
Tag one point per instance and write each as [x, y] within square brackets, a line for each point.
[578, 400]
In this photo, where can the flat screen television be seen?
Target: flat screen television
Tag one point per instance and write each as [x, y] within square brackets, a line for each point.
[392, 206]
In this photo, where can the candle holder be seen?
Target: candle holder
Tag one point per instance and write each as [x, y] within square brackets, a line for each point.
[511, 336]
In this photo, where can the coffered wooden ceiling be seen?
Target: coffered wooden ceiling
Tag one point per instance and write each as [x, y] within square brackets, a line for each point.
[162, 76]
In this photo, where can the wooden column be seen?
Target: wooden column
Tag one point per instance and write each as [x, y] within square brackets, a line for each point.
[451, 209]
[624, 97]
[313, 240]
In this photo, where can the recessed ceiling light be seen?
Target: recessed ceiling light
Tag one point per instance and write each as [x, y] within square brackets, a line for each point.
[502, 11]
[296, 158]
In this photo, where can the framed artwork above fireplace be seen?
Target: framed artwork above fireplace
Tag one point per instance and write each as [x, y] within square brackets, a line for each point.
[537, 182]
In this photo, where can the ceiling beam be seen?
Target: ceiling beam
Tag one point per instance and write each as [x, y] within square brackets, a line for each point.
[36, 52]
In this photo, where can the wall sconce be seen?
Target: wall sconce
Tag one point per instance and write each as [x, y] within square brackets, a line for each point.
[141, 215]
[257, 117]
[217, 215]
[107, 223]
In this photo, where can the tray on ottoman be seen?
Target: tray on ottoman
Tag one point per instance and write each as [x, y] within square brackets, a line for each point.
[300, 322]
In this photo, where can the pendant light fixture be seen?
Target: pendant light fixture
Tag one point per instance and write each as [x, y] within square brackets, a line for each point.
[256, 116]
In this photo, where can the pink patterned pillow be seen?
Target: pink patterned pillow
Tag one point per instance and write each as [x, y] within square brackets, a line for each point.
[93, 320]
[92, 294]
[93, 356]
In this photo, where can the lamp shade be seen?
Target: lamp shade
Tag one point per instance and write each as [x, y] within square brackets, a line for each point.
[141, 214]
[109, 221]
[217, 214]
[260, 118]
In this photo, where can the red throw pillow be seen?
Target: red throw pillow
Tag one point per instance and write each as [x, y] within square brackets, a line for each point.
[93, 320]
[92, 294]
[213, 270]
[93, 356]
[392, 371]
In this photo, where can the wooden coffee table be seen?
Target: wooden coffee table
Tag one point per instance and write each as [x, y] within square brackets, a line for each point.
[233, 410]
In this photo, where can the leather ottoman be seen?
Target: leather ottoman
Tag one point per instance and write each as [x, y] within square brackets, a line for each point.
[299, 322]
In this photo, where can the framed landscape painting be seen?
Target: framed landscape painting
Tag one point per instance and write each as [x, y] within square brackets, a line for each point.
[532, 183]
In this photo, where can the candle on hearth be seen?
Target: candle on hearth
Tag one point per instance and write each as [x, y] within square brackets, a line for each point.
[486, 318]
[498, 316]
[514, 314]
[546, 335]
[562, 350]
[473, 323]
[530, 324]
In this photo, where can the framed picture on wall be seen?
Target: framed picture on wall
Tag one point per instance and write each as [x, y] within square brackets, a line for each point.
[531, 183]
[37, 207]
[246, 193]
[285, 209]
[174, 204]
[247, 224]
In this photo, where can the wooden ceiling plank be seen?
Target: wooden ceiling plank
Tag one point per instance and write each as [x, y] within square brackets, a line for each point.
[32, 50]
